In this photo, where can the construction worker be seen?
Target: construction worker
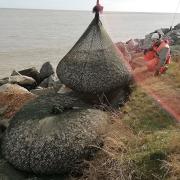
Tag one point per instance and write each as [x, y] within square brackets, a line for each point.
[158, 56]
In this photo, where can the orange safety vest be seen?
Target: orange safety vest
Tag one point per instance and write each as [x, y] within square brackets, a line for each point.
[164, 44]
[151, 54]
[152, 58]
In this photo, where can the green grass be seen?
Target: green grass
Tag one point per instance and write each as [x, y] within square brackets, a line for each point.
[144, 114]
[154, 129]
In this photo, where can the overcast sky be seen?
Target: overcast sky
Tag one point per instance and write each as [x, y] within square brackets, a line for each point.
[109, 5]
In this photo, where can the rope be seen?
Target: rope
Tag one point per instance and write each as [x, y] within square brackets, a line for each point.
[174, 16]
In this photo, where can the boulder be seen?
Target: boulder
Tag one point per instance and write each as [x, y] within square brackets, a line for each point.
[43, 91]
[4, 81]
[21, 80]
[46, 71]
[24, 81]
[12, 98]
[15, 73]
[45, 137]
[177, 27]
[64, 89]
[13, 88]
[17, 78]
[51, 81]
[160, 32]
[147, 41]
[30, 72]
[165, 30]
[174, 35]
[132, 45]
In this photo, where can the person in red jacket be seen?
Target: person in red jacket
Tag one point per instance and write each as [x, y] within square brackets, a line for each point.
[158, 56]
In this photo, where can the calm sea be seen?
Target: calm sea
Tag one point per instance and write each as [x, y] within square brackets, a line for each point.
[30, 37]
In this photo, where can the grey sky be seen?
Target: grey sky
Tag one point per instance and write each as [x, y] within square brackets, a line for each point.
[109, 5]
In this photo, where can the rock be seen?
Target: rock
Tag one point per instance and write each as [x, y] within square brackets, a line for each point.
[160, 32]
[64, 90]
[46, 71]
[51, 81]
[13, 88]
[12, 98]
[15, 73]
[147, 41]
[21, 80]
[174, 35]
[132, 45]
[165, 30]
[177, 27]
[43, 91]
[45, 137]
[24, 81]
[4, 81]
[31, 72]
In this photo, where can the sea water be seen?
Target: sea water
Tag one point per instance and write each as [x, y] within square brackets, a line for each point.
[31, 37]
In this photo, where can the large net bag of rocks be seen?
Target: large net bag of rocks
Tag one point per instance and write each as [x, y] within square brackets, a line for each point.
[53, 135]
[94, 64]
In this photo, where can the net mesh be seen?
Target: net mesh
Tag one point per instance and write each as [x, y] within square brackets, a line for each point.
[94, 64]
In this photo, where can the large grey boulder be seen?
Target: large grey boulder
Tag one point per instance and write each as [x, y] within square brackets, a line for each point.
[43, 140]
[46, 71]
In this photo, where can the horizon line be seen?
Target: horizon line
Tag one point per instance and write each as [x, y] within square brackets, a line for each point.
[150, 12]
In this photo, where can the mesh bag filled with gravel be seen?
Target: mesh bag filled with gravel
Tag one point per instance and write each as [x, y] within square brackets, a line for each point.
[94, 65]
[53, 135]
